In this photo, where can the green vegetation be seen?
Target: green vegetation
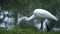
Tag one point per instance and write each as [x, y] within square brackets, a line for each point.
[25, 7]
[25, 31]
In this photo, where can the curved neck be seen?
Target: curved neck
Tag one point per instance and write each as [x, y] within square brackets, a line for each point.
[30, 18]
[26, 19]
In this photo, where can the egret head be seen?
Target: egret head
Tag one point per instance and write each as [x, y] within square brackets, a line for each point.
[25, 18]
[22, 19]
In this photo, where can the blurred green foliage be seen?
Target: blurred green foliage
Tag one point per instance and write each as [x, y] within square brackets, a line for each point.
[25, 31]
[25, 7]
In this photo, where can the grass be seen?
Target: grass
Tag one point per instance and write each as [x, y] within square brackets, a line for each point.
[25, 31]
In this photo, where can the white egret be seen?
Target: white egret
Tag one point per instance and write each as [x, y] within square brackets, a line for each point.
[38, 13]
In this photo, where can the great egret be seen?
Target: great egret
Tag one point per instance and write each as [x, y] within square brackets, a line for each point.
[39, 13]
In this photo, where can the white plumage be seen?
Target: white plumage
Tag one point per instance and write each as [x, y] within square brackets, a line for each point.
[39, 13]
[44, 14]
